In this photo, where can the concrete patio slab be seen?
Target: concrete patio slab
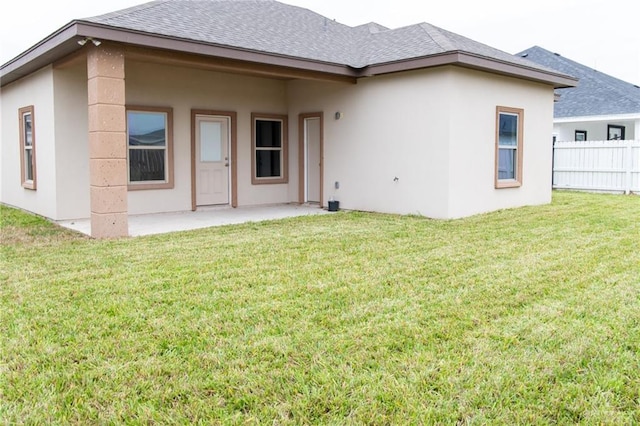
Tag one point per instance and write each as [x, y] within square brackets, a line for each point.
[161, 223]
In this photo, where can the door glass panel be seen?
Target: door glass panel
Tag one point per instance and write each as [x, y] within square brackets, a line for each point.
[210, 141]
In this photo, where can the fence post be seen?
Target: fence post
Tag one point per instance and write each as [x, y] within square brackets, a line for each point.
[553, 162]
[628, 165]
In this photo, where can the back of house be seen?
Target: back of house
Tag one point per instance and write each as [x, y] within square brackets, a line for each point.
[177, 105]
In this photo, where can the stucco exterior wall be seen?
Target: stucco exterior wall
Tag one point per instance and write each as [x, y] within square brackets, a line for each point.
[391, 127]
[433, 130]
[72, 140]
[184, 89]
[419, 142]
[474, 98]
[596, 130]
[37, 90]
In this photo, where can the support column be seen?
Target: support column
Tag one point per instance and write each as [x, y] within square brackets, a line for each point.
[107, 142]
[636, 130]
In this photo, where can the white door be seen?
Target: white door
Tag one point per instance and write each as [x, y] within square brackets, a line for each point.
[212, 160]
[312, 155]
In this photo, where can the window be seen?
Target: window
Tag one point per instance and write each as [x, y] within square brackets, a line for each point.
[27, 148]
[508, 147]
[614, 132]
[269, 159]
[580, 135]
[149, 148]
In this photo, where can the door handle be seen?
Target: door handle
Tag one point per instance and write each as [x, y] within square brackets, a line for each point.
[226, 164]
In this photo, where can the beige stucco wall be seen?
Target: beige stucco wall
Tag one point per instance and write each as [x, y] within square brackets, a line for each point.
[474, 97]
[391, 127]
[420, 142]
[37, 90]
[185, 89]
[72, 140]
[433, 130]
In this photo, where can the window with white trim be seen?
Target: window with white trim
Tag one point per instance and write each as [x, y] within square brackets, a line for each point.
[149, 148]
[269, 159]
[27, 147]
[509, 147]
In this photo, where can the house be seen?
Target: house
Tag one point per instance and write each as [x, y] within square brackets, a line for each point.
[596, 129]
[600, 108]
[177, 104]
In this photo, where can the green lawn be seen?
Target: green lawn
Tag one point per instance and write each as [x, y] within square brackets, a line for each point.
[524, 316]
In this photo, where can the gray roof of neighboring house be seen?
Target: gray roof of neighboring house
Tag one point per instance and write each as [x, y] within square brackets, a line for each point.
[596, 94]
[292, 31]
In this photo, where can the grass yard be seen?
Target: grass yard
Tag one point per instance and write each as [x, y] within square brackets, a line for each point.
[525, 316]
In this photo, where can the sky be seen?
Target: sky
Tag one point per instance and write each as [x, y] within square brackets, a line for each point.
[603, 35]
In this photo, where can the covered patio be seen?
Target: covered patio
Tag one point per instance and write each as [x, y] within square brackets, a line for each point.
[161, 223]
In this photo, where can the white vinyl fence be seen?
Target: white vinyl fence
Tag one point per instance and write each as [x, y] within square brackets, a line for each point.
[597, 166]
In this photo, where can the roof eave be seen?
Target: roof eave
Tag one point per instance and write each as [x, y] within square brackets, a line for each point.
[158, 41]
[603, 117]
[473, 61]
[64, 42]
[58, 45]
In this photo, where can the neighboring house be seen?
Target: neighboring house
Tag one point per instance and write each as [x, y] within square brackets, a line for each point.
[600, 108]
[173, 105]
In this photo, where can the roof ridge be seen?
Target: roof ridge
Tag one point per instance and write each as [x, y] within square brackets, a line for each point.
[604, 79]
[598, 93]
[567, 61]
[437, 36]
[373, 27]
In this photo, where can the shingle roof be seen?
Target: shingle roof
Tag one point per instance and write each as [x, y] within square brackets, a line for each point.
[596, 94]
[289, 40]
[281, 29]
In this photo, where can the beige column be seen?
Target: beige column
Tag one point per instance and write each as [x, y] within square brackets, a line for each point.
[107, 142]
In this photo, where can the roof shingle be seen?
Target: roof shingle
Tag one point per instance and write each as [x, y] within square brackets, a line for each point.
[294, 31]
[596, 94]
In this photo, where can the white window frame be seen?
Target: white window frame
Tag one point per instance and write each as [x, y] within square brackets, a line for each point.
[517, 180]
[283, 149]
[28, 182]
